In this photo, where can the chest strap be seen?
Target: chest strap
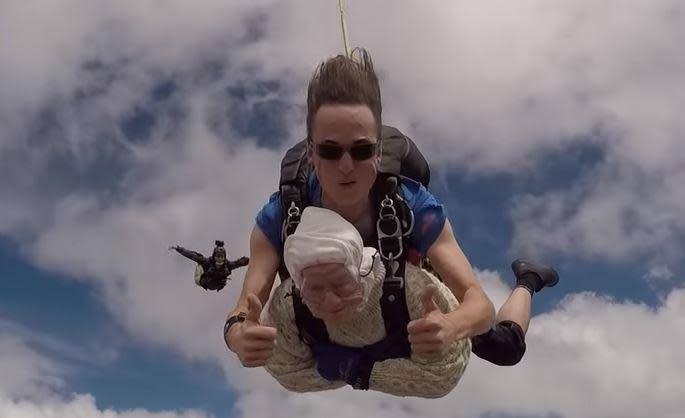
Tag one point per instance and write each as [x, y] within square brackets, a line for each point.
[393, 227]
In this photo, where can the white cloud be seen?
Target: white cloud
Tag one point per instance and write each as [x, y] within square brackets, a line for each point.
[32, 386]
[80, 406]
[122, 247]
[659, 272]
[592, 356]
[611, 214]
[24, 371]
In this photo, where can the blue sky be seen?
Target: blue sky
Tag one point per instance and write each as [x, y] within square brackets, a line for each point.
[552, 130]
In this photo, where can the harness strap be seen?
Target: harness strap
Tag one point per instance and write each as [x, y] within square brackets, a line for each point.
[310, 328]
[392, 234]
[291, 163]
[292, 185]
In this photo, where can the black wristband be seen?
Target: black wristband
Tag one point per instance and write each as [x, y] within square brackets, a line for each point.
[232, 320]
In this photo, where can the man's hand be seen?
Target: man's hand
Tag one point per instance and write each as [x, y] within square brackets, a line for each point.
[430, 335]
[253, 343]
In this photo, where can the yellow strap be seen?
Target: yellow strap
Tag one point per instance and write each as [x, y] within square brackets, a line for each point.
[348, 50]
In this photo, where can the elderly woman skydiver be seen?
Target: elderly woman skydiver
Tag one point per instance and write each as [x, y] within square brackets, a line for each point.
[341, 282]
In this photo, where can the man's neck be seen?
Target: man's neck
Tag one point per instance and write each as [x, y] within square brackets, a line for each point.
[353, 214]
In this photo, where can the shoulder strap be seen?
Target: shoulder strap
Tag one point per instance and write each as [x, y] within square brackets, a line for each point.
[293, 186]
[311, 329]
[393, 226]
[401, 156]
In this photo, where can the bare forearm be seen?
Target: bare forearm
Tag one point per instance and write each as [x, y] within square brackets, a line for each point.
[261, 271]
[474, 316]
[257, 284]
[476, 312]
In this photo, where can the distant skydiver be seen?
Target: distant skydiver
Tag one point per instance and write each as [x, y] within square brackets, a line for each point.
[212, 272]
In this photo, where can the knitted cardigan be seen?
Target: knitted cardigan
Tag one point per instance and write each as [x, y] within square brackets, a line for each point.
[293, 366]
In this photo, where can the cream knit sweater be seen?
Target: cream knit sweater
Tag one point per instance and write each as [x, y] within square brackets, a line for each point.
[293, 366]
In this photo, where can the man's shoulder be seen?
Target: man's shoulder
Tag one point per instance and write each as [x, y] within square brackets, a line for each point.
[414, 192]
[270, 218]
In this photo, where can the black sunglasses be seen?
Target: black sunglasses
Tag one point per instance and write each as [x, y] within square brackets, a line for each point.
[359, 152]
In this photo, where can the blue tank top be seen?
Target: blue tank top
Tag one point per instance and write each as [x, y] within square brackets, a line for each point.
[429, 214]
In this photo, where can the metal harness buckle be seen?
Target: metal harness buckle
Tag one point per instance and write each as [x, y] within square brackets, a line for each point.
[388, 216]
[291, 222]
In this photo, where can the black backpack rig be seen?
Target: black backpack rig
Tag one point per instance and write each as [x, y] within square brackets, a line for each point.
[394, 222]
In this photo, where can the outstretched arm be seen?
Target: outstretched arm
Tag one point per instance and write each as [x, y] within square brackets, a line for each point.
[193, 255]
[241, 262]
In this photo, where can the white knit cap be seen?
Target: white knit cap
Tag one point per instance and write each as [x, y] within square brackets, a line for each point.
[323, 236]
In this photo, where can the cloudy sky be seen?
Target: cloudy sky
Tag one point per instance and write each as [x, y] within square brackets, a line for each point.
[552, 129]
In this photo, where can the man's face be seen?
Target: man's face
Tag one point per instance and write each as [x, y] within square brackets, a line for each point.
[346, 181]
[330, 292]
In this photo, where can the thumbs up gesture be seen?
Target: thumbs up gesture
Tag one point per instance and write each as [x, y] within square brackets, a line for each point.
[429, 335]
[253, 343]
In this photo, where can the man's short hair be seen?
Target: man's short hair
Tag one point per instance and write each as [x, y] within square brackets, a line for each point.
[343, 80]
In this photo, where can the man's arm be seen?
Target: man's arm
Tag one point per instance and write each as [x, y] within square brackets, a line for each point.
[242, 261]
[193, 255]
[261, 271]
[254, 343]
[476, 312]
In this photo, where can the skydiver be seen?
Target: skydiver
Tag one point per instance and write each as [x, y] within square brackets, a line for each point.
[212, 272]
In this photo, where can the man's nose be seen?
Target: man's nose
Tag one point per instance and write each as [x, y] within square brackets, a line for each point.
[346, 163]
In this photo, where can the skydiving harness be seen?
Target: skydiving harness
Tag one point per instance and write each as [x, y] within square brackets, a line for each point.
[394, 222]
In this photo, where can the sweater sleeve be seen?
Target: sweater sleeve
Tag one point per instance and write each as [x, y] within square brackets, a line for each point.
[418, 376]
[291, 364]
